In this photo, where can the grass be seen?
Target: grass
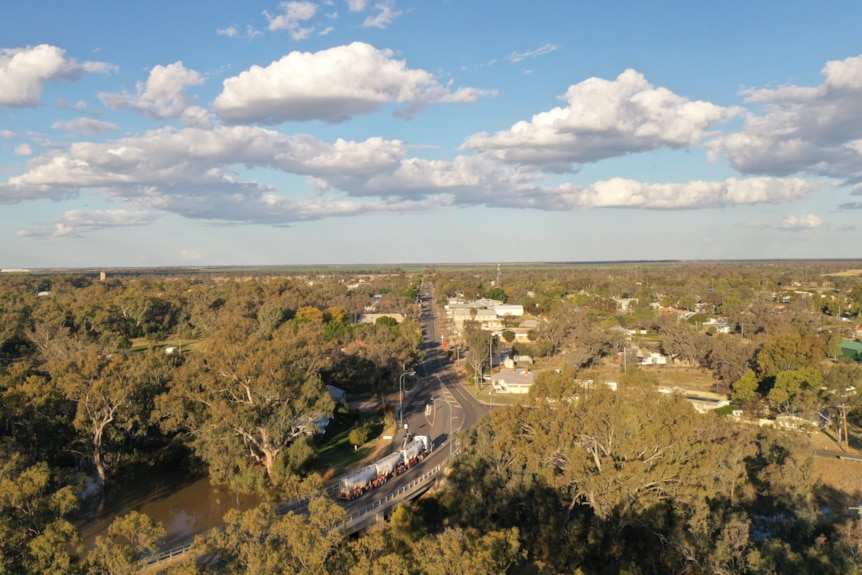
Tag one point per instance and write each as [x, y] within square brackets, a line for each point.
[338, 453]
[143, 344]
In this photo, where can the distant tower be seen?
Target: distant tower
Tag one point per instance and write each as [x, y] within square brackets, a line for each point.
[498, 275]
[103, 276]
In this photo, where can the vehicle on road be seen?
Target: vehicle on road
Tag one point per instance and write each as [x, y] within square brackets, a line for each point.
[376, 474]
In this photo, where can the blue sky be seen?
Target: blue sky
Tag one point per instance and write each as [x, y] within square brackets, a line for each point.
[394, 131]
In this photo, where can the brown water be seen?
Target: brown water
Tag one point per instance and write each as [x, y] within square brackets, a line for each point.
[184, 507]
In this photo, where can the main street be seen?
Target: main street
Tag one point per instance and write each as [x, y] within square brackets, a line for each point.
[434, 403]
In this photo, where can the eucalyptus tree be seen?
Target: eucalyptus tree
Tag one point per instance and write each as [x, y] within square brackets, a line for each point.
[110, 399]
[249, 401]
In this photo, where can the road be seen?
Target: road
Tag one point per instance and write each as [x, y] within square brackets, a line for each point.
[435, 404]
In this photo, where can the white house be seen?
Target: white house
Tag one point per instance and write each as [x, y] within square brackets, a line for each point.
[654, 358]
[512, 381]
[509, 309]
[485, 316]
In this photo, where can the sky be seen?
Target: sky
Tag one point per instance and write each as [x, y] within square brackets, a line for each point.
[312, 132]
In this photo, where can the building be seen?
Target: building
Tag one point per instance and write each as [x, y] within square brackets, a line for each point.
[851, 350]
[373, 317]
[512, 381]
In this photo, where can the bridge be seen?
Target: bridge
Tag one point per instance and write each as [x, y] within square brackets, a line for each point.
[369, 515]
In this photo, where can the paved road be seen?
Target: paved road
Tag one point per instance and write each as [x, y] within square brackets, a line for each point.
[434, 405]
[837, 454]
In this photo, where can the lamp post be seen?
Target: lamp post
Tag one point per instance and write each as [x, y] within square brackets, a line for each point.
[401, 396]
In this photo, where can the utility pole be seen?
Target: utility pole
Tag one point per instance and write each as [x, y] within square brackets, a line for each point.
[844, 419]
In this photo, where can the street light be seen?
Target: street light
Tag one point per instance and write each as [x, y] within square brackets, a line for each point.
[401, 396]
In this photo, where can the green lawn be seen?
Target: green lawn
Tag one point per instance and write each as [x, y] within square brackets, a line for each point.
[183, 345]
[337, 452]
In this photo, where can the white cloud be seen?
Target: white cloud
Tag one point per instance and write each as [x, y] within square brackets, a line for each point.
[75, 222]
[386, 14]
[791, 223]
[624, 193]
[516, 57]
[80, 105]
[23, 72]
[331, 85]
[162, 96]
[7, 134]
[190, 171]
[234, 32]
[86, 126]
[357, 5]
[603, 119]
[193, 172]
[814, 130]
[294, 13]
[23, 150]
[197, 117]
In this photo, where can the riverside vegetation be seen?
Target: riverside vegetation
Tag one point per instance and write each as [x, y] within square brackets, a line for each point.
[576, 478]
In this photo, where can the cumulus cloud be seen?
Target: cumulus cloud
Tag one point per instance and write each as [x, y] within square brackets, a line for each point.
[625, 193]
[291, 19]
[331, 85]
[24, 71]
[193, 172]
[190, 172]
[547, 48]
[76, 222]
[7, 134]
[162, 95]
[791, 223]
[87, 126]
[603, 119]
[814, 130]
[23, 150]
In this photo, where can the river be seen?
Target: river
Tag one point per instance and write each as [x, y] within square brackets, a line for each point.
[183, 506]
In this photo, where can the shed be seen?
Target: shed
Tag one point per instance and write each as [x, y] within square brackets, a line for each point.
[851, 350]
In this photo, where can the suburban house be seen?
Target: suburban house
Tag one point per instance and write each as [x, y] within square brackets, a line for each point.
[486, 317]
[653, 358]
[512, 381]
[511, 310]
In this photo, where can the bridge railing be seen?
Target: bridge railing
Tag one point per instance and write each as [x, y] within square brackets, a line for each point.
[353, 519]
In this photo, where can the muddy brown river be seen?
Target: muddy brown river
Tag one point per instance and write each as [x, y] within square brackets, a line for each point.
[184, 507]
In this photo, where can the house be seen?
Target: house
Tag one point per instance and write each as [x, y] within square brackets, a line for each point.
[511, 310]
[512, 381]
[654, 358]
[486, 317]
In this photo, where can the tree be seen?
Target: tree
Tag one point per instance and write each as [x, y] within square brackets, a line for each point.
[785, 353]
[745, 389]
[841, 394]
[246, 400]
[795, 391]
[130, 538]
[108, 399]
[258, 541]
[35, 536]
